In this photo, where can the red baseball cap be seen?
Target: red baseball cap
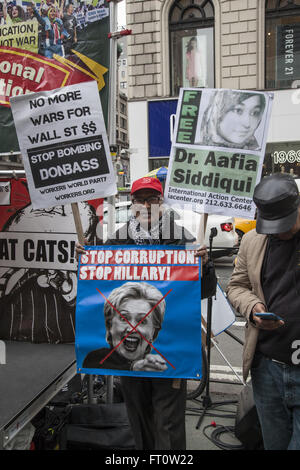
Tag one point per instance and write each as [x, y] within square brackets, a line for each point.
[147, 183]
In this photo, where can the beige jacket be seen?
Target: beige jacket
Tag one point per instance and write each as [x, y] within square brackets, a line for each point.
[244, 289]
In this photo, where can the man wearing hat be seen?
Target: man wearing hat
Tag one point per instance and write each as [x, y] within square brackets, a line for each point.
[156, 407]
[266, 278]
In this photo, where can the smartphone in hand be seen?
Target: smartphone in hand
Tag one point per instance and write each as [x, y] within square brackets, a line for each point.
[268, 316]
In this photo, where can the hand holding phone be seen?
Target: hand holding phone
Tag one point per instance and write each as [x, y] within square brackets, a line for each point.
[268, 316]
[267, 320]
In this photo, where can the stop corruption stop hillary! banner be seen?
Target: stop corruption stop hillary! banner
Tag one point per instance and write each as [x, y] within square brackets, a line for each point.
[133, 316]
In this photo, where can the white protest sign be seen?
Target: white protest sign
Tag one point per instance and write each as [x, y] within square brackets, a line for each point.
[222, 314]
[64, 145]
[218, 149]
[4, 193]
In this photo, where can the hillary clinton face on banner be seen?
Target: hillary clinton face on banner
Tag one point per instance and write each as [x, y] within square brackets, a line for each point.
[140, 305]
[135, 345]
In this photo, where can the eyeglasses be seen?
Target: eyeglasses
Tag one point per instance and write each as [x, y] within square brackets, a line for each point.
[150, 200]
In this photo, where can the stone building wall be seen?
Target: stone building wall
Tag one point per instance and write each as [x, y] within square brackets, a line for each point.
[237, 34]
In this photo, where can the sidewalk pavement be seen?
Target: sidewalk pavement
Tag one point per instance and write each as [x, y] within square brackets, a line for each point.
[222, 414]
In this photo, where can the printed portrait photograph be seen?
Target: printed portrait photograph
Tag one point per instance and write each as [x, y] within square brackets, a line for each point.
[133, 304]
[231, 119]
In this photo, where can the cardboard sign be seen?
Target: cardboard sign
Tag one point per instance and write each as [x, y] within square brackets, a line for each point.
[64, 145]
[38, 279]
[218, 149]
[133, 314]
[222, 316]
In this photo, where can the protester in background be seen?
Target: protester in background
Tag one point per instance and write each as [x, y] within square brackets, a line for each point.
[70, 25]
[232, 118]
[13, 13]
[45, 5]
[267, 278]
[156, 407]
[41, 27]
[132, 302]
[54, 32]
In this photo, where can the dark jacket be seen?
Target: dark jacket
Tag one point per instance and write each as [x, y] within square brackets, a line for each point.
[113, 361]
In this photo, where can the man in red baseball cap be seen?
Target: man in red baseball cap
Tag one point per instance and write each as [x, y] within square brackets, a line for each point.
[156, 408]
[147, 183]
[147, 198]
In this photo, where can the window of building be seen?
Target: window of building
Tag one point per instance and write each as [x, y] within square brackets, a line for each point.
[191, 28]
[123, 123]
[282, 54]
[282, 157]
[155, 163]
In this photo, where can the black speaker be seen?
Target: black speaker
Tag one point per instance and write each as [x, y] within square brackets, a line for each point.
[247, 426]
[96, 427]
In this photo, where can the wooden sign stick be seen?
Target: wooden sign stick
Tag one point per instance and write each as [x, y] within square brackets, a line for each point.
[78, 223]
[80, 234]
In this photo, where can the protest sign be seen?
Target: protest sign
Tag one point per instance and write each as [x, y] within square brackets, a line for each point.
[218, 149]
[45, 45]
[133, 316]
[38, 281]
[4, 193]
[222, 313]
[64, 145]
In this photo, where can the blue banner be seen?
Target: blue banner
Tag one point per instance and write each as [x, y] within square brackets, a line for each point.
[138, 312]
[159, 113]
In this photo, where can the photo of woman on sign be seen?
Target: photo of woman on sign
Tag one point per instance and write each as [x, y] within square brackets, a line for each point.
[125, 308]
[232, 119]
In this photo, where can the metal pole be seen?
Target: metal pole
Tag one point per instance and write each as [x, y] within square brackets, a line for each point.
[12, 173]
[112, 141]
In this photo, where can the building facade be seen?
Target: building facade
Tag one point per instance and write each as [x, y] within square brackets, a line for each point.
[238, 44]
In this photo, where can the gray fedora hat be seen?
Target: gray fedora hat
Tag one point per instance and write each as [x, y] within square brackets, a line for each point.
[277, 200]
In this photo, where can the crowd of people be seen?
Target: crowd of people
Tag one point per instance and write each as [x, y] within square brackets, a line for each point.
[57, 19]
[57, 24]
